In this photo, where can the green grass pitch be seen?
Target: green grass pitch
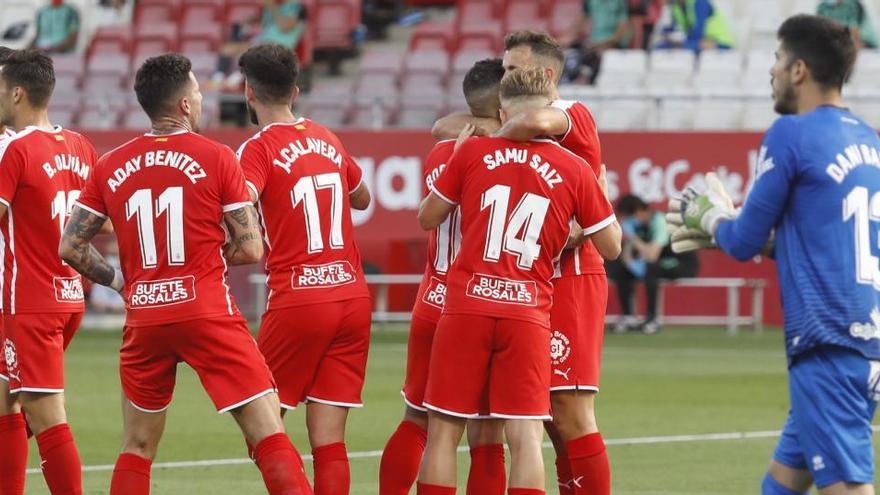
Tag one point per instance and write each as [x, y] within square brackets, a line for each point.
[680, 382]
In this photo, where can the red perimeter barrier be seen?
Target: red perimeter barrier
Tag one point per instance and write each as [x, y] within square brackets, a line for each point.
[654, 166]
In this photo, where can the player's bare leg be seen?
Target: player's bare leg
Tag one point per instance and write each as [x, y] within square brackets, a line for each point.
[142, 432]
[46, 417]
[402, 455]
[524, 437]
[275, 455]
[582, 463]
[487, 475]
[439, 467]
[784, 480]
[326, 426]
[13, 437]
[847, 489]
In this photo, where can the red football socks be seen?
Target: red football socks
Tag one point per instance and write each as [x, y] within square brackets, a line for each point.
[487, 475]
[131, 475]
[426, 489]
[563, 474]
[281, 466]
[590, 471]
[13, 454]
[525, 491]
[332, 476]
[401, 458]
[61, 465]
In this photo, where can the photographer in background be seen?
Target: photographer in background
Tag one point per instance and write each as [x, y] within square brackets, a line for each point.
[646, 257]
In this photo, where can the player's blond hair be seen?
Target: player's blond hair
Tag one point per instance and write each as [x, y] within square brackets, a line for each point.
[526, 83]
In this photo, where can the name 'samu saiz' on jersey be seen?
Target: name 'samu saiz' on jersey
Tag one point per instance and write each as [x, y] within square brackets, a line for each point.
[312, 146]
[159, 158]
[521, 157]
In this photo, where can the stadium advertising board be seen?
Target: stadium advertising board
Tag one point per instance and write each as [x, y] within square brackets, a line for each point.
[654, 166]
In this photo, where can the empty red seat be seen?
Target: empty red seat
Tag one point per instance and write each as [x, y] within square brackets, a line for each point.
[474, 12]
[488, 36]
[116, 39]
[164, 32]
[194, 12]
[98, 119]
[203, 64]
[423, 85]
[432, 36]
[382, 61]
[334, 22]
[563, 15]
[418, 115]
[68, 64]
[135, 118]
[203, 37]
[371, 116]
[372, 87]
[242, 10]
[465, 59]
[433, 62]
[110, 64]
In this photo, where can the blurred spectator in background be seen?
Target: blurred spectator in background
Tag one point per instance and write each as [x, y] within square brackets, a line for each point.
[644, 15]
[853, 14]
[646, 256]
[696, 25]
[282, 22]
[57, 27]
[607, 25]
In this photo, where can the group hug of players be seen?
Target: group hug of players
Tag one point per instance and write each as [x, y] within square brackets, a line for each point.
[519, 221]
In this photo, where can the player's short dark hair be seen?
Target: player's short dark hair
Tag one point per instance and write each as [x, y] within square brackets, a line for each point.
[825, 46]
[5, 52]
[481, 83]
[159, 80]
[34, 71]
[630, 204]
[542, 44]
[271, 70]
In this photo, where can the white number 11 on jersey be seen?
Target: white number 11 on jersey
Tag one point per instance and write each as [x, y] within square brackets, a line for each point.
[170, 202]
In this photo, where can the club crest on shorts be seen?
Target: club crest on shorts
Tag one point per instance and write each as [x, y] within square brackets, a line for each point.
[11, 360]
[560, 347]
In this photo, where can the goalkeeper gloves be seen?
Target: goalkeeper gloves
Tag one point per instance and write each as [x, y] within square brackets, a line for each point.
[694, 217]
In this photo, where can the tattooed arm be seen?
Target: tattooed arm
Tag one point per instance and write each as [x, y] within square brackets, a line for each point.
[77, 250]
[245, 245]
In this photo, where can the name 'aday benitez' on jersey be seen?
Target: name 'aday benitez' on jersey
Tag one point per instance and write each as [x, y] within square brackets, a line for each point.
[521, 156]
[310, 146]
[159, 158]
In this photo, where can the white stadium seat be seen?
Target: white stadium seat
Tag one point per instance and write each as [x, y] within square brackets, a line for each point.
[623, 69]
[670, 69]
[718, 115]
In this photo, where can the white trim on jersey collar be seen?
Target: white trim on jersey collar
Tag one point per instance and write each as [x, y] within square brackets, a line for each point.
[55, 129]
[175, 133]
[295, 122]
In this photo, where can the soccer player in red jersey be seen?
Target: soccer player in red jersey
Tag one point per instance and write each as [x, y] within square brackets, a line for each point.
[403, 453]
[168, 194]
[315, 333]
[491, 351]
[42, 170]
[580, 285]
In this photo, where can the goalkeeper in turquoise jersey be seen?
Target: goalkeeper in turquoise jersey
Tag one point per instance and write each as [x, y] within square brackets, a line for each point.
[815, 207]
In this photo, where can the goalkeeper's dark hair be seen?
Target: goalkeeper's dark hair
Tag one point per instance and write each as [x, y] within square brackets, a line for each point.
[630, 204]
[32, 70]
[160, 81]
[825, 46]
[480, 87]
[271, 70]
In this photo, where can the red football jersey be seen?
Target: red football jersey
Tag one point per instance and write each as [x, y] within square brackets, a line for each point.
[302, 176]
[582, 139]
[41, 176]
[443, 243]
[166, 196]
[517, 201]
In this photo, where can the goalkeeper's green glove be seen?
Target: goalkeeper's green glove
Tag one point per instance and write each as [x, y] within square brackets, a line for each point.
[704, 211]
[685, 240]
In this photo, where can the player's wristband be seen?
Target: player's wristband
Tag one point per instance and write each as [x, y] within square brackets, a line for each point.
[118, 281]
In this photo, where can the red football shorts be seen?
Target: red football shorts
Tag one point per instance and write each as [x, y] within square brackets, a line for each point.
[220, 350]
[318, 352]
[418, 359]
[34, 347]
[482, 364]
[577, 323]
